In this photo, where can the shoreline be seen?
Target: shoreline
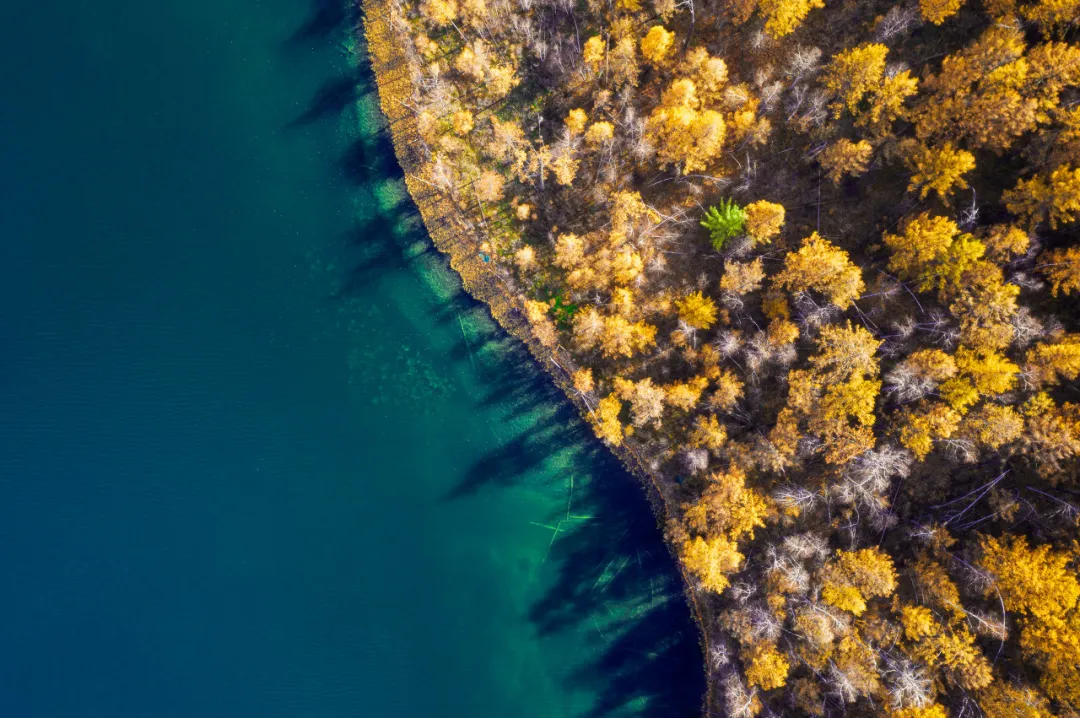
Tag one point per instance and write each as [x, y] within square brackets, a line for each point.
[449, 231]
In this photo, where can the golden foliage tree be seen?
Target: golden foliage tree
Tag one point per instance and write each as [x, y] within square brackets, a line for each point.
[656, 44]
[940, 169]
[846, 158]
[764, 220]
[697, 310]
[854, 73]
[686, 135]
[822, 267]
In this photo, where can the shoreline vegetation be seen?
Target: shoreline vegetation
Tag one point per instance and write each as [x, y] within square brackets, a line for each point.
[810, 268]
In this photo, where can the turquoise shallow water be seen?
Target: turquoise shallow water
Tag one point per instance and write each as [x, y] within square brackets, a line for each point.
[258, 454]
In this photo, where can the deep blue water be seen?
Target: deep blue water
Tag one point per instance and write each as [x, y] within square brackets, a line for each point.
[258, 454]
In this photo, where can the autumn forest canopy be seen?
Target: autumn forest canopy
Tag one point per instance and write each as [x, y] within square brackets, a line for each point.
[815, 265]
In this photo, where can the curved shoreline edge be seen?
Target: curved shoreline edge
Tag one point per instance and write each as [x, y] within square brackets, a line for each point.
[448, 230]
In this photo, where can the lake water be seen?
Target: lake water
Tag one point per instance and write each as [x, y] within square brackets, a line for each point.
[258, 454]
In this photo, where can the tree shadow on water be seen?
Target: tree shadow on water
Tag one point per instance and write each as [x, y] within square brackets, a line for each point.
[615, 578]
[370, 158]
[324, 18]
[333, 97]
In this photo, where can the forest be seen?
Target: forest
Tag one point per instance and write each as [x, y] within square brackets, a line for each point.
[814, 267]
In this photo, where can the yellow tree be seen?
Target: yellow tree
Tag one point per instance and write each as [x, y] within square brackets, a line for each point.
[685, 395]
[684, 134]
[928, 422]
[937, 11]
[1062, 268]
[575, 121]
[1004, 242]
[846, 158]
[622, 338]
[887, 102]
[767, 668]
[593, 52]
[940, 169]
[439, 12]
[979, 94]
[1049, 363]
[742, 277]
[783, 16]
[599, 132]
[711, 561]
[623, 63]
[728, 507]
[697, 310]
[708, 433]
[853, 74]
[606, 422]
[853, 577]
[1036, 582]
[933, 252]
[822, 267]
[1056, 198]
[764, 220]
[656, 44]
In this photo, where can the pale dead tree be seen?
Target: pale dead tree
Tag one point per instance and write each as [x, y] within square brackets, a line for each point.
[739, 246]
[763, 623]
[976, 579]
[770, 95]
[961, 450]
[641, 149]
[808, 447]
[785, 355]
[802, 62]
[908, 684]
[899, 20]
[940, 330]
[442, 175]
[807, 546]
[793, 496]
[728, 344]
[866, 480]
[795, 101]
[761, 41]
[968, 216]
[756, 356]
[907, 384]
[696, 461]
[657, 265]
[795, 577]
[841, 686]
[811, 316]
[905, 327]
[739, 701]
[988, 625]
[808, 109]
[1026, 327]
[879, 465]
[895, 68]
[735, 96]
[1027, 281]
[719, 655]
[742, 591]
[689, 331]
